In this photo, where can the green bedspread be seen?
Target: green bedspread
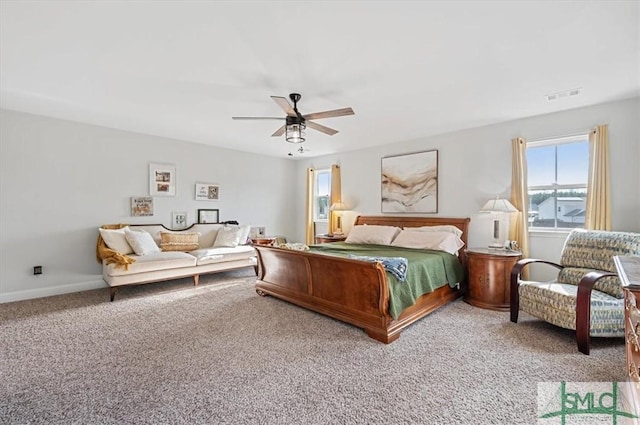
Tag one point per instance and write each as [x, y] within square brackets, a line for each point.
[428, 270]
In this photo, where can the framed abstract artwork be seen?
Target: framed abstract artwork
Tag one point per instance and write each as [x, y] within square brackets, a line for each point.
[410, 183]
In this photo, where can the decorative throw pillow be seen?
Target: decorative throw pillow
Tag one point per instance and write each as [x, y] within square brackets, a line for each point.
[439, 228]
[244, 235]
[141, 242]
[115, 239]
[228, 236]
[178, 241]
[294, 246]
[372, 234]
[439, 241]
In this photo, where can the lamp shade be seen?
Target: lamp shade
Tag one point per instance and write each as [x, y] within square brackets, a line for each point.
[338, 206]
[498, 205]
[295, 132]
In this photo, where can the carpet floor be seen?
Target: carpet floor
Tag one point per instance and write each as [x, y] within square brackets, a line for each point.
[171, 353]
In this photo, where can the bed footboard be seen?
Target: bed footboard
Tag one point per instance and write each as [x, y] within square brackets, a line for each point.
[352, 291]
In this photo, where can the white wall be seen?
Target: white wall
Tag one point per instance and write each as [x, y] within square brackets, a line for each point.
[475, 165]
[60, 180]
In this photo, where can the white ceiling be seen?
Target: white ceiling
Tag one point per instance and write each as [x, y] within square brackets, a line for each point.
[409, 69]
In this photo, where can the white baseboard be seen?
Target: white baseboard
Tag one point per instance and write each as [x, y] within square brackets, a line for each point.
[54, 290]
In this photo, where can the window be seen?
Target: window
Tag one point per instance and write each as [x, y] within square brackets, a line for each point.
[558, 170]
[322, 195]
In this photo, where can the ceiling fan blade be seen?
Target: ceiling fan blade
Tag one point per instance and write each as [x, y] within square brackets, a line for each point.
[258, 118]
[321, 128]
[285, 105]
[279, 132]
[329, 114]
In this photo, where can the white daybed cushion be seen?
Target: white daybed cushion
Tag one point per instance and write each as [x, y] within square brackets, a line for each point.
[115, 239]
[222, 254]
[208, 234]
[440, 241]
[154, 262]
[372, 234]
[141, 242]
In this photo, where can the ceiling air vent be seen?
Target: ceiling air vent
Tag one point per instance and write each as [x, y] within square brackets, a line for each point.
[562, 94]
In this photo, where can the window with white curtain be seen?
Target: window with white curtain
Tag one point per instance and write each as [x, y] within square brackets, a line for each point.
[557, 173]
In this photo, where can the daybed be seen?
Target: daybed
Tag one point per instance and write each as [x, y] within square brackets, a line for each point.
[358, 291]
[135, 254]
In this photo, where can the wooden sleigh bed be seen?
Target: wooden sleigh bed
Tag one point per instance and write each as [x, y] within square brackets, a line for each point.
[350, 290]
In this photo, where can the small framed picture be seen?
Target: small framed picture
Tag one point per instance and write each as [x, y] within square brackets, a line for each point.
[178, 220]
[208, 216]
[162, 180]
[142, 206]
[207, 192]
[257, 232]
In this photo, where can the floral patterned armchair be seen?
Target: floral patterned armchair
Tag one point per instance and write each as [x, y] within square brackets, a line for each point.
[587, 295]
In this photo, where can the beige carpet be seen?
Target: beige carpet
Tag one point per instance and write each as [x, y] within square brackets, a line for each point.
[171, 353]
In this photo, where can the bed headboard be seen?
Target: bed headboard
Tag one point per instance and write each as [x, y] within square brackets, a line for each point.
[402, 221]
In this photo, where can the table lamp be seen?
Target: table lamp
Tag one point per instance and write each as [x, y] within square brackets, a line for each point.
[338, 207]
[497, 207]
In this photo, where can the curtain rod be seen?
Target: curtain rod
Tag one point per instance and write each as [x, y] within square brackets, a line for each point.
[576, 133]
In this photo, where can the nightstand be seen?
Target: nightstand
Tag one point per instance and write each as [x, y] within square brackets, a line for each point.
[330, 238]
[263, 240]
[489, 277]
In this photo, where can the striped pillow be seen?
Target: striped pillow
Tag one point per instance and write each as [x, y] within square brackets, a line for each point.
[178, 241]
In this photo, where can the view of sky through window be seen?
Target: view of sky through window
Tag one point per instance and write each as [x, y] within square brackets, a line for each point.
[557, 173]
[573, 164]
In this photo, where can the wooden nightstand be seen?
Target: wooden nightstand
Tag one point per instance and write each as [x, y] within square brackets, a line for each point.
[489, 274]
[264, 240]
[330, 238]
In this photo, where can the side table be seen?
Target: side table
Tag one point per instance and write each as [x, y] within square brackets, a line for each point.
[264, 240]
[330, 238]
[489, 275]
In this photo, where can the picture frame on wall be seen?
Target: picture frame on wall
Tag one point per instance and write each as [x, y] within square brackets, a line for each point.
[410, 183]
[142, 206]
[162, 179]
[257, 232]
[208, 216]
[207, 192]
[178, 220]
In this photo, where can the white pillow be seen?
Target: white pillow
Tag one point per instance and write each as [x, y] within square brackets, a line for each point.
[372, 234]
[439, 228]
[244, 235]
[231, 236]
[115, 239]
[440, 241]
[141, 242]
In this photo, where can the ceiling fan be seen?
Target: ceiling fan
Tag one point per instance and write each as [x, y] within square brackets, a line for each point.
[295, 122]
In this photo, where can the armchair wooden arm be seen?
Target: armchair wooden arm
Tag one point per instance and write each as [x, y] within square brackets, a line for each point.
[583, 309]
[515, 276]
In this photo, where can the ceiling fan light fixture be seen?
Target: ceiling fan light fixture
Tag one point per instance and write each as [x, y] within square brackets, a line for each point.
[295, 133]
[296, 123]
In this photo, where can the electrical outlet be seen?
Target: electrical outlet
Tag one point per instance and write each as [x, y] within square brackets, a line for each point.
[37, 270]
